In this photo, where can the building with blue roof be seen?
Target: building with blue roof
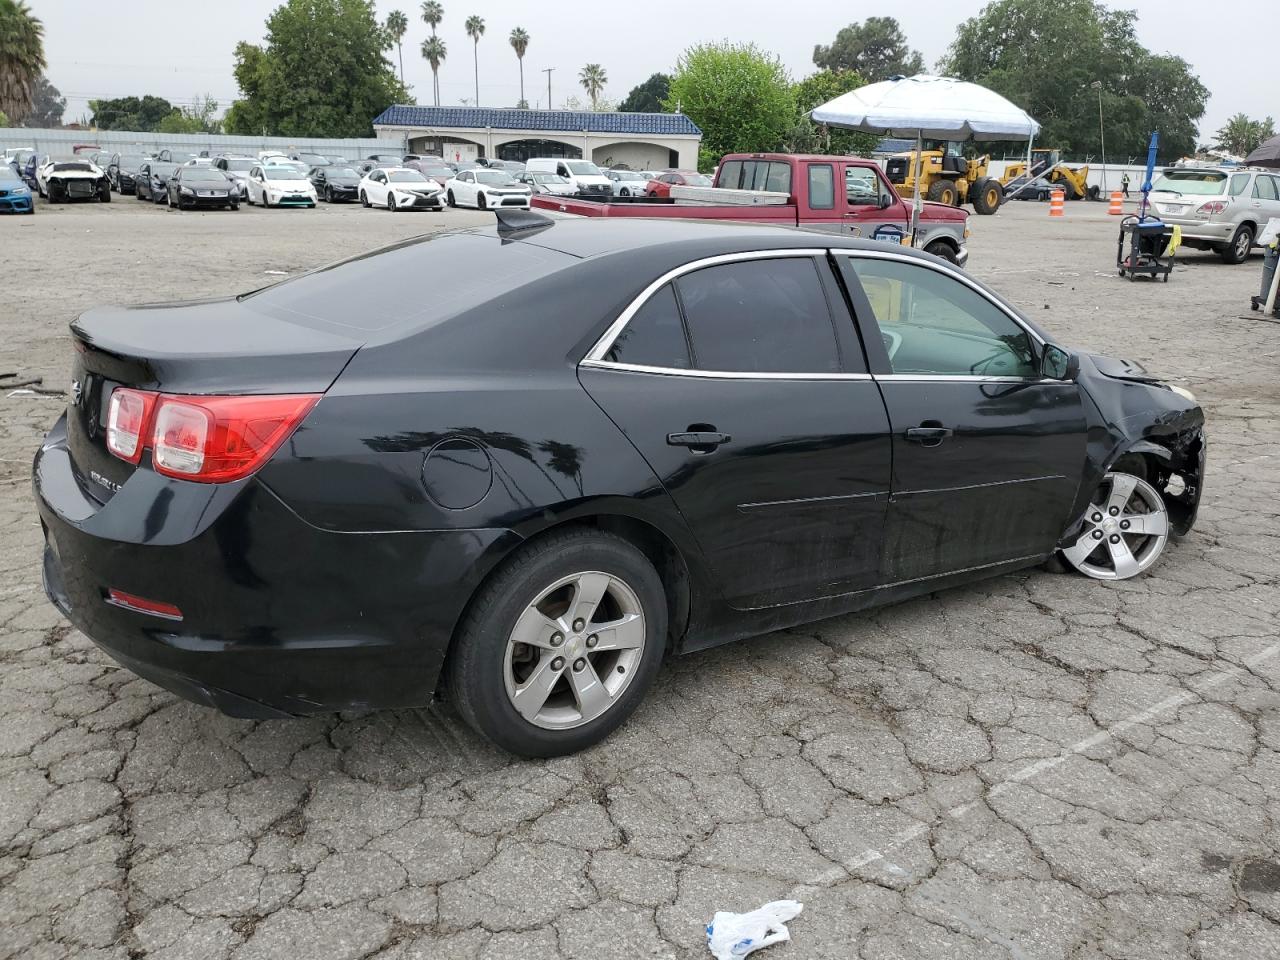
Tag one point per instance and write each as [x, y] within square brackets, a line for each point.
[639, 141]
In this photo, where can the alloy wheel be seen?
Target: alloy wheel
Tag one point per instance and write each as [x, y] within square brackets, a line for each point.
[1124, 532]
[574, 650]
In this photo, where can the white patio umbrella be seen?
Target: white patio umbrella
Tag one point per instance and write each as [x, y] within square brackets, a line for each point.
[929, 108]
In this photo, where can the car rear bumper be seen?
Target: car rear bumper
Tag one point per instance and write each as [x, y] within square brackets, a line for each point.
[1196, 229]
[279, 617]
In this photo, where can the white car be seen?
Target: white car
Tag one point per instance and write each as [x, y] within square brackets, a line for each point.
[237, 171]
[275, 185]
[627, 183]
[484, 189]
[70, 178]
[399, 188]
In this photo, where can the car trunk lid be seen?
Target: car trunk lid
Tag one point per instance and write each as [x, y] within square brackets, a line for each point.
[211, 347]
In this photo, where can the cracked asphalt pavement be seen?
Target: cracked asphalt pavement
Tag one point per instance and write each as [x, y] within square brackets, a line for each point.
[1038, 766]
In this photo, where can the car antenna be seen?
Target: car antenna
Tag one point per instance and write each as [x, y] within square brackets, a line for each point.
[520, 221]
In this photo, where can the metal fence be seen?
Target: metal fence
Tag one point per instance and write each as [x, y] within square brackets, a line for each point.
[120, 141]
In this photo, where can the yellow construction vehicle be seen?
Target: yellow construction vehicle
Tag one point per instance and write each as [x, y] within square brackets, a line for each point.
[945, 177]
[1047, 164]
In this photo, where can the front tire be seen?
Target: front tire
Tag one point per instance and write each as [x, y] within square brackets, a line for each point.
[449, 199]
[481, 202]
[364, 199]
[1237, 251]
[391, 203]
[987, 194]
[561, 645]
[940, 248]
[1123, 532]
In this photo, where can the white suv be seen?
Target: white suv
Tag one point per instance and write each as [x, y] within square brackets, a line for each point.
[1219, 208]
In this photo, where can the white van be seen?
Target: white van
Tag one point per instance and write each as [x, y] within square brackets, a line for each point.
[585, 176]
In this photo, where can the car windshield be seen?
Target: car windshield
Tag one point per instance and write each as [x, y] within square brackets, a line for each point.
[405, 176]
[131, 162]
[314, 159]
[1200, 183]
[243, 166]
[203, 175]
[697, 180]
[341, 172]
[179, 156]
[82, 165]
[162, 168]
[548, 178]
[582, 168]
[627, 175]
[438, 171]
[494, 178]
[284, 173]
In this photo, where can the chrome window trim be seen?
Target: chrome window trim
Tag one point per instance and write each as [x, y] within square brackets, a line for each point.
[946, 271]
[718, 374]
[962, 378]
[596, 355]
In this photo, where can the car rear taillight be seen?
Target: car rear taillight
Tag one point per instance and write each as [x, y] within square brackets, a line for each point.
[1212, 207]
[128, 415]
[213, 439]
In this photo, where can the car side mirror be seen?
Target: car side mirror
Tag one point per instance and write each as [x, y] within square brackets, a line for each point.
[885, 202]
[1058, 364]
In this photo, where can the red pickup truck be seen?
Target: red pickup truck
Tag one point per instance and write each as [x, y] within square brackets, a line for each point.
[846, 195]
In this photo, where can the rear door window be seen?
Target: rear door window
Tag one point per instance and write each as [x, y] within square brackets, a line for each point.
[1264, 187]
[1239, 184]
[822, 186]
[655, 336]
[760, 316]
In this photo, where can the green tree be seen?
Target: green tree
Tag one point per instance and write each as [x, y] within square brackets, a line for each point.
[1044, 54]
[475, 30]
[200, 117]
[434, 51]
[1241, 136]
[130, 113]
[21, 58]
[290, 89]
[4, 121]
[397, 27]
[432, 14]
[875, 49]
[738, 94]
[648, 97]
[49, 103]
[593, 78]
[520, 43]
[806, 136]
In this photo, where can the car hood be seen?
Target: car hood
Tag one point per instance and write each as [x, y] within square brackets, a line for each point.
[343, 181]
[1118, 368]
[429, 186]
[297, 185]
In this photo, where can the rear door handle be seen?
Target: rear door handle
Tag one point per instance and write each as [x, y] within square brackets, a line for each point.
[928, 436]
[699, 441]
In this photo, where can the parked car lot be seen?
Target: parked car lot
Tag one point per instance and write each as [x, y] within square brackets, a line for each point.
[1039, 760]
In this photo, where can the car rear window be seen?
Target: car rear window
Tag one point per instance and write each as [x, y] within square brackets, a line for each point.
[1200, 183]
[417, 283]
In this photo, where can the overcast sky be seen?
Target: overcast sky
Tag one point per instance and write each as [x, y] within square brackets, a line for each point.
[179, 49]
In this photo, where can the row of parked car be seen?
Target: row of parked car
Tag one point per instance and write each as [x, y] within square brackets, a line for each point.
[189, 180]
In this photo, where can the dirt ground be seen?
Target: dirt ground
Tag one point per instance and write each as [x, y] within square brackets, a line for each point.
[1036, 767]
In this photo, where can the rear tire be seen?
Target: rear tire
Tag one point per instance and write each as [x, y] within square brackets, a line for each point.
[1237, 251]
[986, 194]
[944, 191]
[482, 669]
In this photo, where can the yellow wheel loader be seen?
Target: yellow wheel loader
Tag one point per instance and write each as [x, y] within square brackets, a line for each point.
[946, 177]
[1048, 166]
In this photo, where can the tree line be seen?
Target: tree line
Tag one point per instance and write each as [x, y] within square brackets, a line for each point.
[325, 69]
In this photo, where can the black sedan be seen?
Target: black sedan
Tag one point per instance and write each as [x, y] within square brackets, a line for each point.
[334, 183]
[618, 440]
[193, 186]
[122, 171]
[152, 180]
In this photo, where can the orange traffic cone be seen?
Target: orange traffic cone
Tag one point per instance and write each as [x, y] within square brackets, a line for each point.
[1117, 204]
[1057, 201]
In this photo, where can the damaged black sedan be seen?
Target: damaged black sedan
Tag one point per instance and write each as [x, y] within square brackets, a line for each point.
[621, 440]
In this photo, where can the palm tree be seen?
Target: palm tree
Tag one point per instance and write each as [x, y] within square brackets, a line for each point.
[475, 30]
[397, 27]
[520, 43]
[21, 59]
[593, 78]
[434, 52]
[432, 14]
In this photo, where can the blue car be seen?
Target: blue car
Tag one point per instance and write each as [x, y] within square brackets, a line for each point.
[15, 195]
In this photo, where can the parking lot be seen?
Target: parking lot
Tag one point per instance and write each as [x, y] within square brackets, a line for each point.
[1039, 766]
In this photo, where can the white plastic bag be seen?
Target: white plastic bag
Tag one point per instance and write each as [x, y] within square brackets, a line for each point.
[734, 935]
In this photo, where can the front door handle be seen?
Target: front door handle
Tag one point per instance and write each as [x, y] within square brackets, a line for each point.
[928, 434]
[699, 441]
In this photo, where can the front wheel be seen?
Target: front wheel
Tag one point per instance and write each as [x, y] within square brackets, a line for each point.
[449, 199]
[1123, 531]
[940, 248]
[943, 191]
[1237, 251]
[364, 199]
[987, 194]
[481, 202]
[391, 202]
[561, 645]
